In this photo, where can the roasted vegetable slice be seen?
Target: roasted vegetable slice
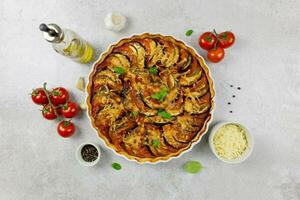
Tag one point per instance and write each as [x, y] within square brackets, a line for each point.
[119, 129]
[194, 74]
[150, 48]
[135, 141]
[156, 142]
[170, 132]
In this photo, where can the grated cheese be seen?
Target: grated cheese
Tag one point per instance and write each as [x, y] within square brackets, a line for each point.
[230, 141]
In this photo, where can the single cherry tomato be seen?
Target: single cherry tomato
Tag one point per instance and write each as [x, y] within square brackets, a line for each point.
[226, 39]
[207, 40]
[66, 129]
[48, 112]
[69, 110]
[216, 54]
[59, 96]
[39, 97]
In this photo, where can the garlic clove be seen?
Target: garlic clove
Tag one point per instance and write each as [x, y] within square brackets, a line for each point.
[115, 21]
[80, 84]
[83, 106]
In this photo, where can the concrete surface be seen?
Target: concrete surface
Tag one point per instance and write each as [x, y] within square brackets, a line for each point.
[35, 163]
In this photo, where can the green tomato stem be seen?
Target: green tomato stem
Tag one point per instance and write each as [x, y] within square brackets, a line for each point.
[49, 100]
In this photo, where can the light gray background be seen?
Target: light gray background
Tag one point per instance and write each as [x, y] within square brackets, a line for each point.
[35, 163]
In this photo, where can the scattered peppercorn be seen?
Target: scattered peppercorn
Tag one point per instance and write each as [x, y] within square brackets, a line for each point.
[239, 88]
[231, 85]
[89, 153]
[233, 96]
[231, 111]
[228, 103]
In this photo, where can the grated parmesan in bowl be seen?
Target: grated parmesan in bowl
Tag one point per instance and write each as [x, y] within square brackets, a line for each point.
[231, 142]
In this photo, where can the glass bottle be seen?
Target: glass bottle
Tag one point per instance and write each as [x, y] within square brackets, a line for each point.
[67, 43]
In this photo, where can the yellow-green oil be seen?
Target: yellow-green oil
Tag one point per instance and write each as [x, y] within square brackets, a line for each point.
[79, 51]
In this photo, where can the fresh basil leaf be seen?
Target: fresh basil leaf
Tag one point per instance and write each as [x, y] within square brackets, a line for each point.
[116, 166]
[164, 114]
[192, 167]
[160, 95]
[155, 143]
[134, 113]
[153, 70]
[189, 32]
[119, 70]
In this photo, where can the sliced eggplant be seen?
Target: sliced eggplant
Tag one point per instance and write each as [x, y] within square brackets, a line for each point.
[101, 99]
[185, 60]
[156, 142]
[176, 107]
[170, 55]
[107, 117]
[136, 98]
[119, 129]
[135, 143]
[101, 81]
[169, 131]
[193, 75]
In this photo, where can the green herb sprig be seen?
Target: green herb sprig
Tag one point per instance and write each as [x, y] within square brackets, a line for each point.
[160, 95]
[119, 70]
[155, 143]
[164, 114]
[153, 70]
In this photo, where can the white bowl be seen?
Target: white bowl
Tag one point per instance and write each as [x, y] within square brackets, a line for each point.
[244, 156]
[80, 159]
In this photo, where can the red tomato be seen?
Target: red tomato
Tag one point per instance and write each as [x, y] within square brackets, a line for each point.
[215, 55]
[207, 40]
[66, 129]
[69, 110]
[39, 97]
[48, 112]
[59, 96]
[226, 39]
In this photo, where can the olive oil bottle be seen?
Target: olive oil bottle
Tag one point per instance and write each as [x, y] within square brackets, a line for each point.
[67, 43]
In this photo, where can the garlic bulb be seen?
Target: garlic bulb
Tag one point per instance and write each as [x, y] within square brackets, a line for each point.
[115, 21]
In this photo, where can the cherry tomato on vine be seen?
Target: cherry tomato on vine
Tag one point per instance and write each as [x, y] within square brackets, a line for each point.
[66, 129]
[59, 96]
[207, 40]
[216, 54]
[48, 112]
[226, 39]
[39, 97]
[69, 110]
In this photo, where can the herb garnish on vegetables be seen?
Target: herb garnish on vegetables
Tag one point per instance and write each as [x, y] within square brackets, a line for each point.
[119, 70]
[153, 70]
[164, 114]
[160, 95]
[134, 113]
[155, 143]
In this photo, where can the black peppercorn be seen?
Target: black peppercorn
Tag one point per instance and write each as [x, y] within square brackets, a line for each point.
[89, 153]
